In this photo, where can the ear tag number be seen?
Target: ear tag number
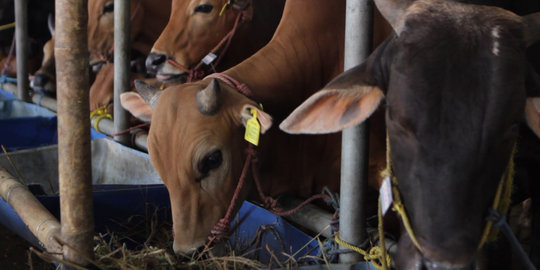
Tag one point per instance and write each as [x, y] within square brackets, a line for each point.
[253, 129]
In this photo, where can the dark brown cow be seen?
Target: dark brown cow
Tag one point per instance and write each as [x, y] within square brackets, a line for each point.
[196, 27]
[457, 85]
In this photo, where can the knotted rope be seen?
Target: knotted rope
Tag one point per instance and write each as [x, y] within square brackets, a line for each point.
[101, 113]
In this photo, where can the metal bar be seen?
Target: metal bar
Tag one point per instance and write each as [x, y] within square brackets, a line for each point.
[309, 217]
[74, 159]
[38, 219]
[354, 149]
[21, 41]
[121, 65]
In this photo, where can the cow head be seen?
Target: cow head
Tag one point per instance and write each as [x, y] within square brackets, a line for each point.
[457, 85]
[197, 147]
[101, 27]
[45, 77]
[196, 27]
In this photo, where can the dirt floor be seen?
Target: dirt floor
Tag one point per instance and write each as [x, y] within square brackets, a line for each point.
[14, 252]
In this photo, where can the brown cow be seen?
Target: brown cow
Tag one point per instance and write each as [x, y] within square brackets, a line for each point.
[457, 85]
[197, 146]
[196, 27]
[148, 18]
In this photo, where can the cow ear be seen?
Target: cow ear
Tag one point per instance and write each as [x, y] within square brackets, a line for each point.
[532, 104]
[394, 12]
[332, 110]
[148, 92]
[346, 101]
[265, 120]
[135, 104]
[532, 114]
[532, 28]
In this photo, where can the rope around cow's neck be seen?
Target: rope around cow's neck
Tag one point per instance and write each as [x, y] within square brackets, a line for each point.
[501, 202]
[197, 73]
[223, 225]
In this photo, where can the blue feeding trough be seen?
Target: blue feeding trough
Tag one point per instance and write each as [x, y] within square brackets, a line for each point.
[25, 125]
[126, 185]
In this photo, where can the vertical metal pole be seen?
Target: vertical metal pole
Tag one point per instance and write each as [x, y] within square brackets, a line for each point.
[354, 150]
[21, 41]
[121, 65]
[74, 160]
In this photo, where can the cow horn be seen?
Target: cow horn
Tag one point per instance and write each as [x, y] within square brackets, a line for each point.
[50, 23]
[532, 28]
[148, 92]
[393, 11]
[208, 98]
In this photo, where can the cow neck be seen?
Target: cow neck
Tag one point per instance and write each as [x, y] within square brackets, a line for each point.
[106, 57]
[196, 73]
[292, 67]
[501, 201]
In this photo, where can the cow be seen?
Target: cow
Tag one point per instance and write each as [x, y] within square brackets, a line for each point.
[197, 28]
[197, 145]
[38, 13]
[148, 18]
[457, 85]
[198, 151]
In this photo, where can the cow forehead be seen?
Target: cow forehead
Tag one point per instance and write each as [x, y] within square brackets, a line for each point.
[456, 63]
[177, 113]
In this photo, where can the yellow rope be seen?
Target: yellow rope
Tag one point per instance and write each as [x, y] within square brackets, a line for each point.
[7, 26]
[101, 113]
[504, 192]
[502, 200]
[374, 255]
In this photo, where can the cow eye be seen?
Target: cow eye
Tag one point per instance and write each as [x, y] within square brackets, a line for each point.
[109, 7]
[210, 162]
[204, 8]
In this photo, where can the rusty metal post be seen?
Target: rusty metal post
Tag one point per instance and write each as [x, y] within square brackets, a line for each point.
[74, 160]
[354, 150]
[21, 41]
[121, 65]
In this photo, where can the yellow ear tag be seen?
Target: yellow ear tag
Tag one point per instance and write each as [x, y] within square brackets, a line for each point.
[253, 129]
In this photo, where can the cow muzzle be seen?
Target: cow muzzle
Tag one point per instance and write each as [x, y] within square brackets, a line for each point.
[154, 61]
[43, 82]
[408, 257]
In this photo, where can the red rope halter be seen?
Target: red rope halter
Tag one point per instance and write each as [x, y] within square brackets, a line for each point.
[223, 225]
[197, 72]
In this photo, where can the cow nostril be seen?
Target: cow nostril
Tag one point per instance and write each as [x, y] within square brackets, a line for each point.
[40, 79]
[155, 59]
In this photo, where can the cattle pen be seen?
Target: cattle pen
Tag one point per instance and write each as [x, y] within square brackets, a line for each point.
[77, 223]
[65, 227]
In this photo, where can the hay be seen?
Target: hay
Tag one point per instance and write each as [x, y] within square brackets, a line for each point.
[119, 251]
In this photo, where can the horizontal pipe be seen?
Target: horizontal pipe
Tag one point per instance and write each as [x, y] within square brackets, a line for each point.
[140, 140]
[38, 219]
[10, 88]
[310, 216]
[106, 126]
[45, 101]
